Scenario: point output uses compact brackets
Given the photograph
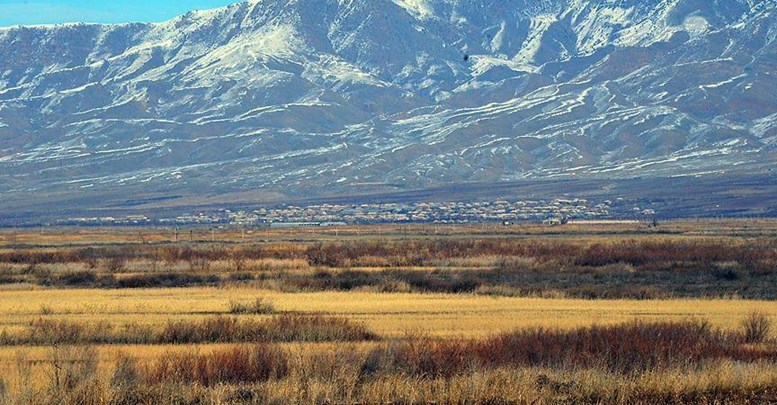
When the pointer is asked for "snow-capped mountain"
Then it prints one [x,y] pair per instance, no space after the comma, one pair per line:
[318,97]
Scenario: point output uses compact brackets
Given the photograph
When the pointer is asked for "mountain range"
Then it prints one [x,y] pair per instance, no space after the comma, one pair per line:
[276,100]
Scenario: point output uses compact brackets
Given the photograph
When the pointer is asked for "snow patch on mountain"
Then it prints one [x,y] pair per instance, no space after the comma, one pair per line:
[537,29]
[696,25]
[419,8]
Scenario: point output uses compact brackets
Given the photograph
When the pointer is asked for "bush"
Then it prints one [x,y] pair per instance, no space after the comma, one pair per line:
[47,331]
[241,276]
[243,364]
[219,329]
[126,374]
[259,306]
[125,382]
[756,327]
[315,328]
[166,280]
[283,328]
[115,264]
[78,278]
[627,348]
[74,367]
[621,348]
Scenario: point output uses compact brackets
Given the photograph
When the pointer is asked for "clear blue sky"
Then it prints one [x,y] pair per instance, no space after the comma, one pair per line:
[15,12]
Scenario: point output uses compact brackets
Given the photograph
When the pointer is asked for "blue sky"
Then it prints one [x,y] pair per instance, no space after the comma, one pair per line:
[15,12]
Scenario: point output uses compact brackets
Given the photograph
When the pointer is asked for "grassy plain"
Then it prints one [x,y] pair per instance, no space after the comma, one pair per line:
[388,314]
[57,237]
[449,306]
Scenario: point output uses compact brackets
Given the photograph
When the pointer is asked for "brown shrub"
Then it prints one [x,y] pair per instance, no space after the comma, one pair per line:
[126,374]
[74,375]
[78,278]
[48,331]
[63,332]
[245,364]
[756,327]
[260,306]
[315,328]
[628,348]
[115,264]
[622,348]
[242,364]
[282,328]
[167,280]
[219,329]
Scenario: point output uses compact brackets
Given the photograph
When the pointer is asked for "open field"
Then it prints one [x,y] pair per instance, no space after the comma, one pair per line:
[447,315]
[52,237]
[621,313]
[734,259]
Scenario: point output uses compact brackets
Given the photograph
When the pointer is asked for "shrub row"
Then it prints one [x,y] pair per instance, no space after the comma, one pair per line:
[611,282]
[236,365]
[600,364]
[751,254]
[91,279]
[281,328]
[628,348]
[619,280]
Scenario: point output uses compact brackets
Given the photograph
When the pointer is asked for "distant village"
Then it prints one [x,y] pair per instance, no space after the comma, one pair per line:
[551,212]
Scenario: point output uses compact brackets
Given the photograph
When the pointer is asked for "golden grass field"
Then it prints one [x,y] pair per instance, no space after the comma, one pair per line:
[389,314]
[393,316]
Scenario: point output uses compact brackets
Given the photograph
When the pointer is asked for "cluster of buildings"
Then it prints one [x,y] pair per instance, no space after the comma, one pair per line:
[504,211]
[106,221]
[454,212]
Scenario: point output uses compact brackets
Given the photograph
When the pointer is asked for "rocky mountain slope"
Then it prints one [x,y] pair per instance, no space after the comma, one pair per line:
[324,97]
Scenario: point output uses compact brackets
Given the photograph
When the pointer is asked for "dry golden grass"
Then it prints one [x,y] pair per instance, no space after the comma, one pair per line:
[386,314]
[313,380]
[320,376]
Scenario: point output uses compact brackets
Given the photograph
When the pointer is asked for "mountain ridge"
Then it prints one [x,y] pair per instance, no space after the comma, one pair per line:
[321,97]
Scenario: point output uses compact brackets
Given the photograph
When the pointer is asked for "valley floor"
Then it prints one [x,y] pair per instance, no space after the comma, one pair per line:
[392,315]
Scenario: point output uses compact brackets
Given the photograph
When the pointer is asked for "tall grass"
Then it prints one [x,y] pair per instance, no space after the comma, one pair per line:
[281,328]
[219,329]
[756,327]
[633,363]
[3,391]
[74,378]
[591,252]
[241,364]
[719,383]
[628,348]
[259,306]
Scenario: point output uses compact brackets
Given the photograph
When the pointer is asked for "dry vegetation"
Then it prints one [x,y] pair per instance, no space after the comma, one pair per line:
[682,362]
[420,315]
[645,267]
[282,328]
